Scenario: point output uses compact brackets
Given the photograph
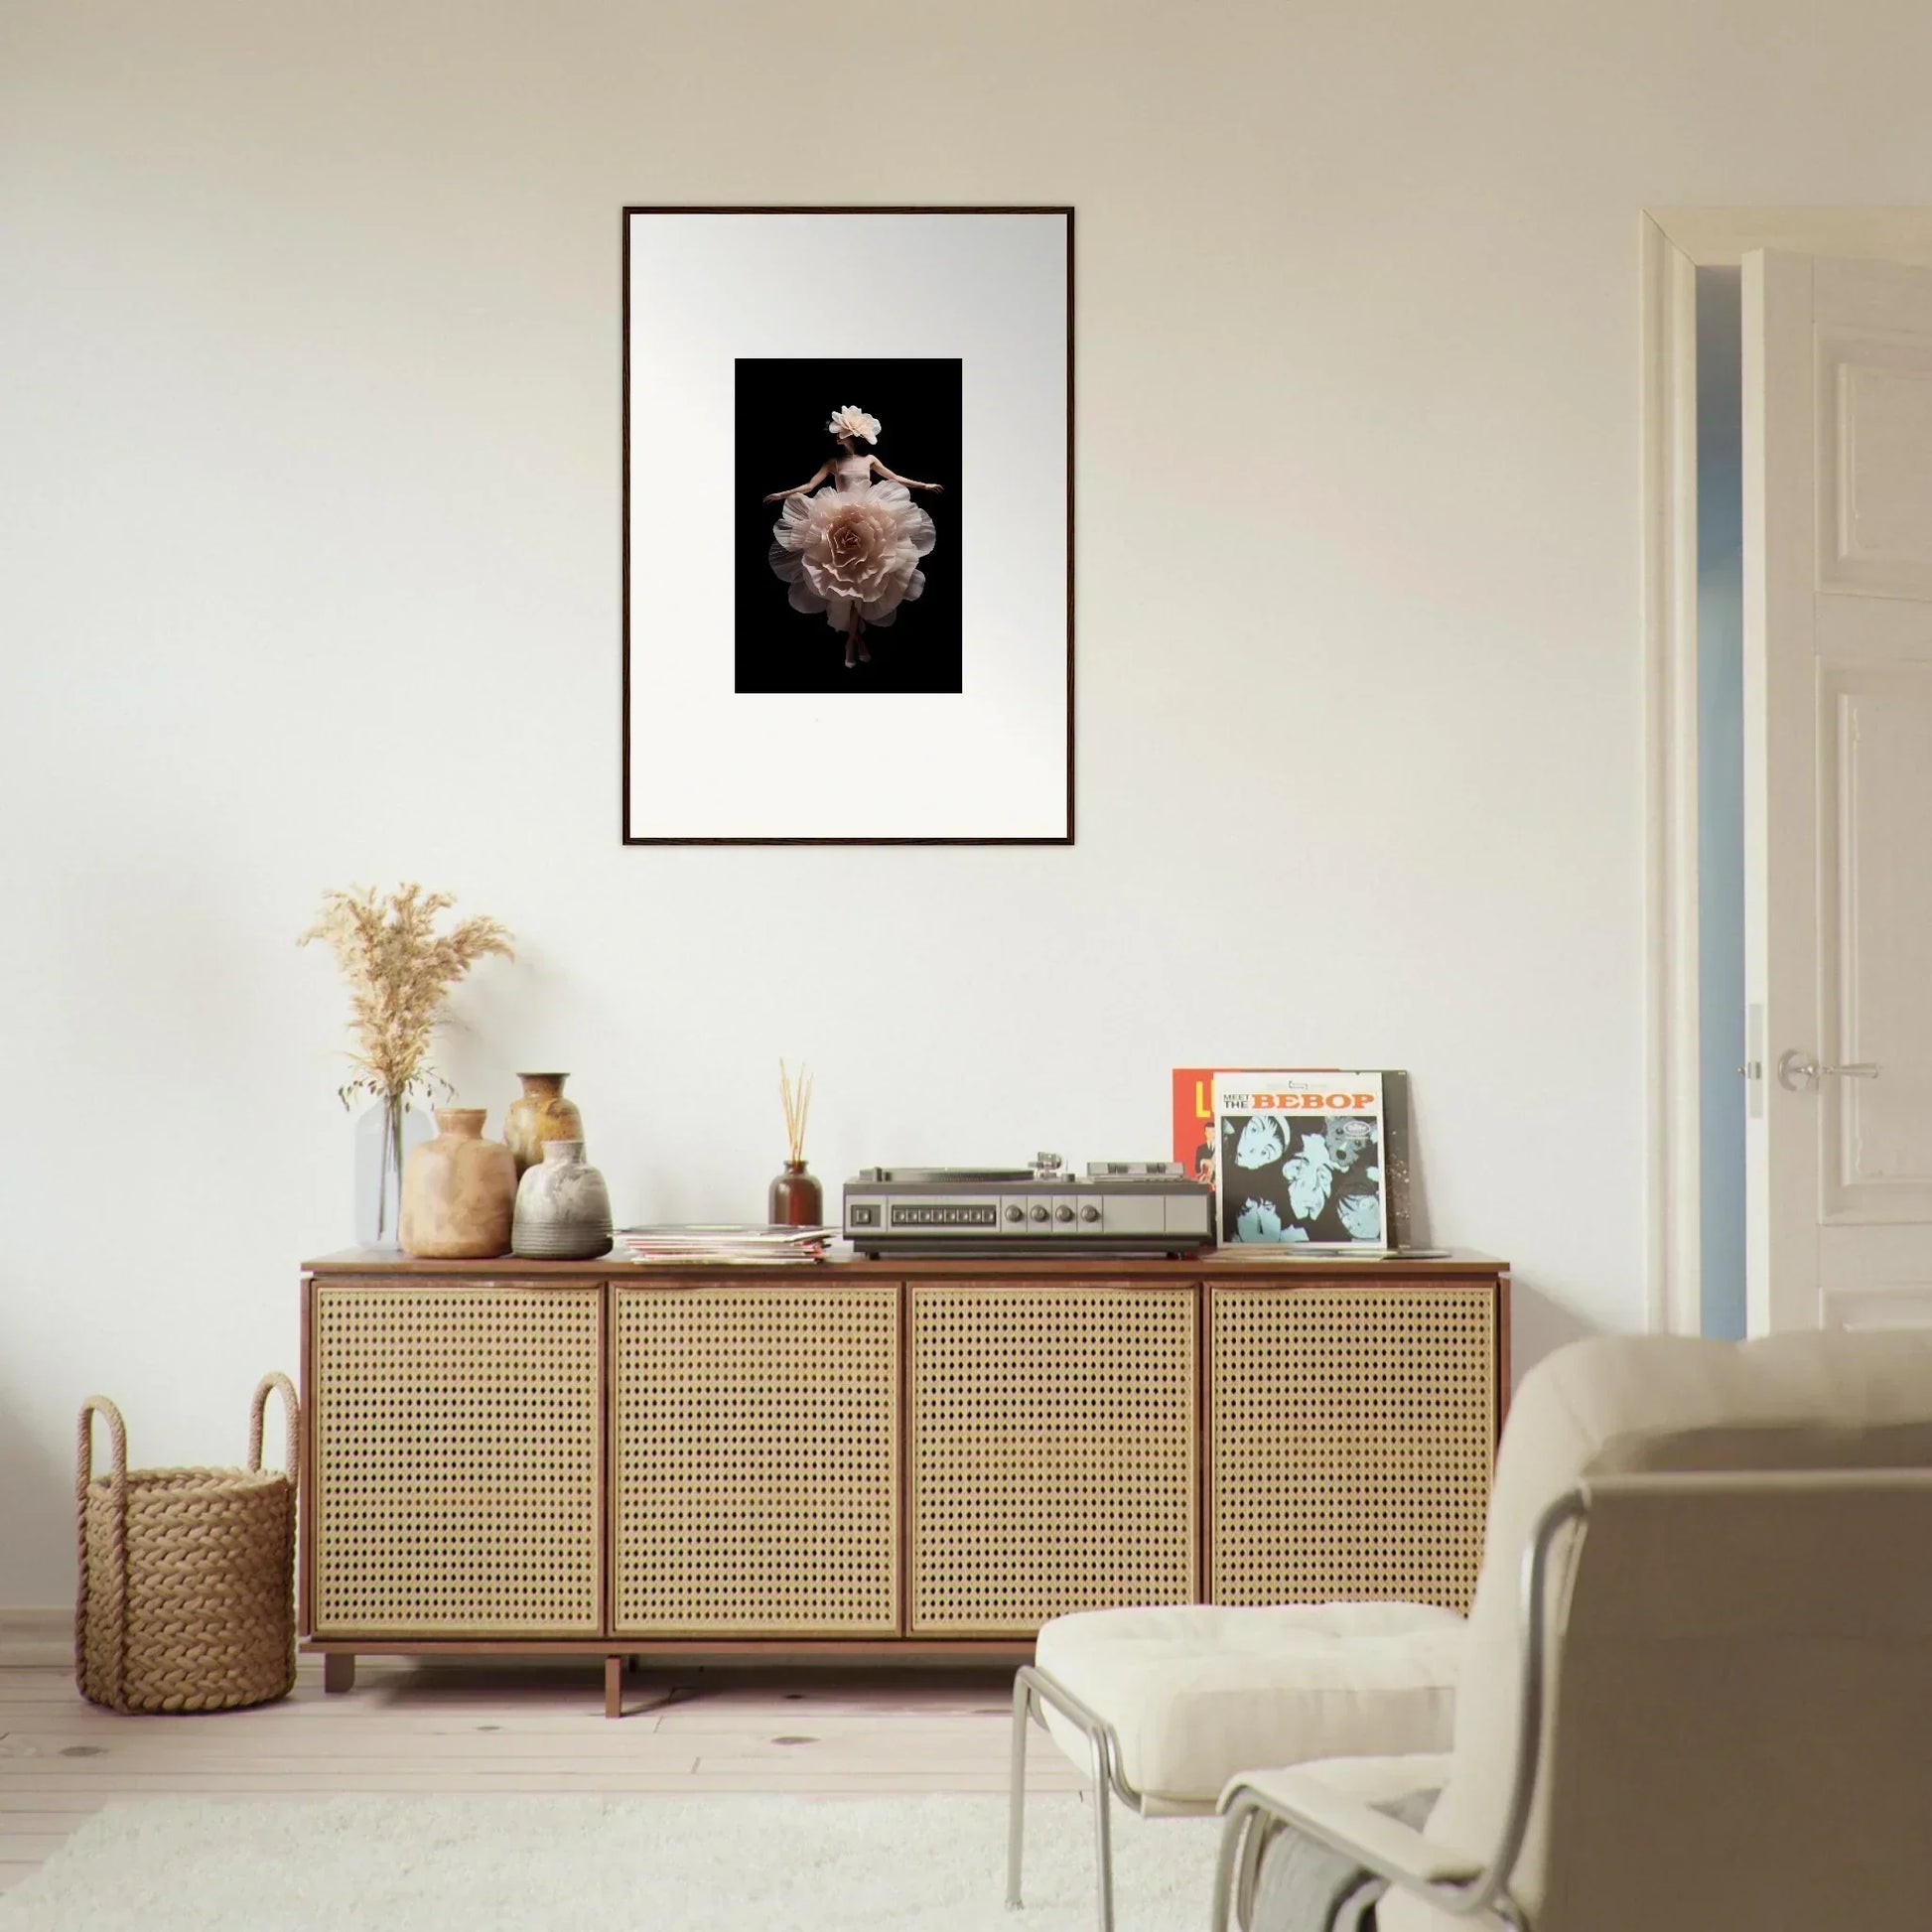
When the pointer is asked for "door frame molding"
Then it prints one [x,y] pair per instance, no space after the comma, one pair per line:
[1676,244]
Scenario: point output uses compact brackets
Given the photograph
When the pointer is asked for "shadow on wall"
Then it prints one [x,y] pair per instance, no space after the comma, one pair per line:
[39,1510]
[1418,1176]
[1538,1326]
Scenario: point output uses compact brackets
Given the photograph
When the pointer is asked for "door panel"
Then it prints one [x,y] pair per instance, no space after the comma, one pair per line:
[458,1460]
[1838,768]
[1054,1452]
[1876,731]
[1874,523]
[754,1460]
[1352,1435]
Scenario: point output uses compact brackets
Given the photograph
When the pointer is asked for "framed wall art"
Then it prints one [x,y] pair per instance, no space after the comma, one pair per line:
[848,525]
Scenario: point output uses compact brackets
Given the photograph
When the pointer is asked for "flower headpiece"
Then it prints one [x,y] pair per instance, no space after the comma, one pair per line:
[853,421]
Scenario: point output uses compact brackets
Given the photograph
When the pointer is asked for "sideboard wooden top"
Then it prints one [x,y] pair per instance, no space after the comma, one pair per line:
[1221,1264]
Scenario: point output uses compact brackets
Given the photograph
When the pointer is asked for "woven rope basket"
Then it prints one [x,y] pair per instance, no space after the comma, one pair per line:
[186,1600]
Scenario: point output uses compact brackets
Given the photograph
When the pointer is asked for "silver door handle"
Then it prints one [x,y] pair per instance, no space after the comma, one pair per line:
[1799,1071]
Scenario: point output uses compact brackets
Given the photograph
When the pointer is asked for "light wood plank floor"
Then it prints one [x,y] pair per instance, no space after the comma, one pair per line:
[508,1727]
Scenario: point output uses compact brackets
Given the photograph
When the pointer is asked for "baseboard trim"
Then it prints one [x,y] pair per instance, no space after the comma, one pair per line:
[37,1637]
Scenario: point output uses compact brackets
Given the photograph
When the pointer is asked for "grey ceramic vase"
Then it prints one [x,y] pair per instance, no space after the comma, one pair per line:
[563,1208]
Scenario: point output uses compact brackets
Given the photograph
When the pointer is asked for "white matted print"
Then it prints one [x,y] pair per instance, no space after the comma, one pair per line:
[848,525]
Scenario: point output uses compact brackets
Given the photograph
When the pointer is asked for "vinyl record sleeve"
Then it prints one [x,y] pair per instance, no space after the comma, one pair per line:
[1200,1147]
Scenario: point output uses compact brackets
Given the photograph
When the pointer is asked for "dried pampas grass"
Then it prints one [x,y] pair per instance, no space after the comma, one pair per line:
[399,970]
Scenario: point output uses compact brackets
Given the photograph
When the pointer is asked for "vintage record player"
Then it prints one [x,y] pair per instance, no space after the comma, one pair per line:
[1117,1207]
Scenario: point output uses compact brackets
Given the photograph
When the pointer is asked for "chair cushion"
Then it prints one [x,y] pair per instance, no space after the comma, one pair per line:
[1196,1693]
[1361,1780]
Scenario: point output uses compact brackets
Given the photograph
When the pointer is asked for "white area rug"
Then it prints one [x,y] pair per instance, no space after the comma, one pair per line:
[608,1864]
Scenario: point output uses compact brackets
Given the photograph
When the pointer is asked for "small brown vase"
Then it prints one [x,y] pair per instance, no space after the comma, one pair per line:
[796,1200]
[541,1114]
[459,1191]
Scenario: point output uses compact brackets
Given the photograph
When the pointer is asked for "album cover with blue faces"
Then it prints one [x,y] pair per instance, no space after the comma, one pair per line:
[1304,1158]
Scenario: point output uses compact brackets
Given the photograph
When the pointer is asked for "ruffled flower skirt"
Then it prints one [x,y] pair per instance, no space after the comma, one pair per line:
[841,550]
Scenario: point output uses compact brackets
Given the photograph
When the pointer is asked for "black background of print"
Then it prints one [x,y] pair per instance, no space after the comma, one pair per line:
[781,408]
[1239,1185]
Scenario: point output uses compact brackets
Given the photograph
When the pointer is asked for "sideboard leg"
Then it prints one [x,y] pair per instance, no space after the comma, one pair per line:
[338,1671]
[614,1687]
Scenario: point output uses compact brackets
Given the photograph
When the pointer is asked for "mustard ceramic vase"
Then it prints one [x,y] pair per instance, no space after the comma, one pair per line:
[541,1114]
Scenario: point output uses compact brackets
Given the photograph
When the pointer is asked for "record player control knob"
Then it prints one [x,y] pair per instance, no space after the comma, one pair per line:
[1063,1213]
[1089,1212]
[1015,1212]
[1039,1213]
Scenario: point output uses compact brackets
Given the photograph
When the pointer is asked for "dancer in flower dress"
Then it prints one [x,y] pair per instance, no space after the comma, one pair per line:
[852,549]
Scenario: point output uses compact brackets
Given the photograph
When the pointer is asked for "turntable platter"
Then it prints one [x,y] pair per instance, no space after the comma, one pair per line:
[938,1176]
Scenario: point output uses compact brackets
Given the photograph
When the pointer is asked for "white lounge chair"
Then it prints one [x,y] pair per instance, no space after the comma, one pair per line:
[1698,1684]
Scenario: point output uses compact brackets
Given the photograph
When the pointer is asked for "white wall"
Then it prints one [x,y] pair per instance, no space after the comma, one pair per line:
[309,574]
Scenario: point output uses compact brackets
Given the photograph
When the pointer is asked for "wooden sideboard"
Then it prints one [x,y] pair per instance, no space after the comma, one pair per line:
[869,1458]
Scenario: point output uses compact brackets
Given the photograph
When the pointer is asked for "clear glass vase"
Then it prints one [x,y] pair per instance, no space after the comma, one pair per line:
[385,1134]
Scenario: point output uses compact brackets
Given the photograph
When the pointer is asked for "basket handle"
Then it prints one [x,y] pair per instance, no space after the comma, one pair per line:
[291,1414]
[99,1405]
[116,1580]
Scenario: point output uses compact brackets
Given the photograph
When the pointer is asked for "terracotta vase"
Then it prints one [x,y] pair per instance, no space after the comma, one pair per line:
[541,1114]
[563,1208]
[796,1199]
[457,1191]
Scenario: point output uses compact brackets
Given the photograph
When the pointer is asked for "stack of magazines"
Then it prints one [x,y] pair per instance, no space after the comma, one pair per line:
[724,1241]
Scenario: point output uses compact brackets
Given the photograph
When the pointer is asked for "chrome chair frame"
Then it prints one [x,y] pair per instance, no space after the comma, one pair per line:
[1031,1689]
[1254,1816]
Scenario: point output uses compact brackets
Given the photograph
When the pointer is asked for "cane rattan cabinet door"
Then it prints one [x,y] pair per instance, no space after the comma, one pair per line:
[755,1459]
[1053,1456]
[458,1449]
[1352,1433]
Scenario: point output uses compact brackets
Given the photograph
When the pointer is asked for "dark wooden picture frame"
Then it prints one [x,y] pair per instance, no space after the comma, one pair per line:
[635,835]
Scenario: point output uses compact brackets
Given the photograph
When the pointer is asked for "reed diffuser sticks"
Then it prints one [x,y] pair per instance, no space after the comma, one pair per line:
[796,1198]
[797,1095]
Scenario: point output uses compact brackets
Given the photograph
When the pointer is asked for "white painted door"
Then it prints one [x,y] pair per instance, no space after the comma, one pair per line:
[1838,790]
